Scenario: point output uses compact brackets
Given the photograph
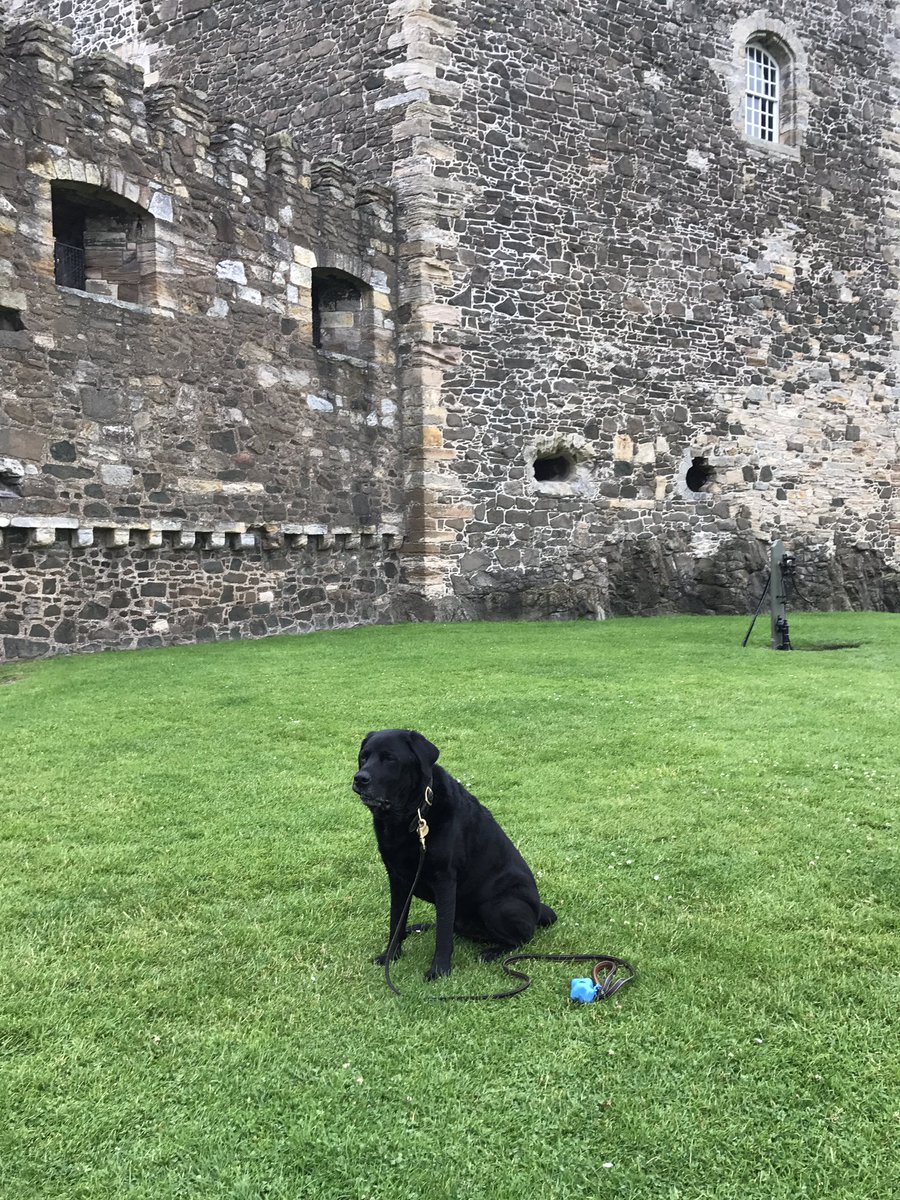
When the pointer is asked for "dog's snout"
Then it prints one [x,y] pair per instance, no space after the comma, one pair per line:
[361,778]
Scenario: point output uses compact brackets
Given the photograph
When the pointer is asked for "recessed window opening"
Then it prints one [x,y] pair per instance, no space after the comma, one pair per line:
[341,313]
[104,244]
[700,475]
[551,468]
[10,485]
[761,115]
[10,320]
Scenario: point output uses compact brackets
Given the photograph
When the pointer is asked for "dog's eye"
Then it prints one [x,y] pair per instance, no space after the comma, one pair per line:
[387,757]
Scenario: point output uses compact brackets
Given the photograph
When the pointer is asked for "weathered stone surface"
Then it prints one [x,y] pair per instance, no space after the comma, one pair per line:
[641,285]
[580,256]
[150,411]
[175,591]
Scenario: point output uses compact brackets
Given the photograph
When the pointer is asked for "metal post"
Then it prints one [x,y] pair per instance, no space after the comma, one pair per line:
[780,634]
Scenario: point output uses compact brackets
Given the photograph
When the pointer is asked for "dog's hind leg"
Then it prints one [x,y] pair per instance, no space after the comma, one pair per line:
[546,916]
[510,924]
[494,952]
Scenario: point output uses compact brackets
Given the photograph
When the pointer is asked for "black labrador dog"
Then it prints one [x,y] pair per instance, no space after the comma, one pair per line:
[477,880]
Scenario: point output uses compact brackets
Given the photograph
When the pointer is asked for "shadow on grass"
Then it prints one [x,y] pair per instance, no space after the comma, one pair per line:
[831,646]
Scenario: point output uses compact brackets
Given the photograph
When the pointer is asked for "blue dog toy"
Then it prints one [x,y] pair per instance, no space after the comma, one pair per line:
[604,982]
[584,990]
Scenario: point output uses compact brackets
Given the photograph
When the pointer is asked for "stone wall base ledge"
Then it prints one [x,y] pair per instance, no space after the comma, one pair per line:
[162,533]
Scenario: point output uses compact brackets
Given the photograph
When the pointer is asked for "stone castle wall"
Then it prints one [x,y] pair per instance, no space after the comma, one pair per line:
[369,81]
[640,286]
[153,588]
[314,70]
[593,264]
[95,25]
[595,260]
[176,400]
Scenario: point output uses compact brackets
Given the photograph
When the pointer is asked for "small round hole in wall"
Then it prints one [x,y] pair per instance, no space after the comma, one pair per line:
[10,320]
[699,474]
[10,480]
[553,468]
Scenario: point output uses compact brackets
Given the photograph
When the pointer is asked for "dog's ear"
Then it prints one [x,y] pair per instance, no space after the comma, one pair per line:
[426,754]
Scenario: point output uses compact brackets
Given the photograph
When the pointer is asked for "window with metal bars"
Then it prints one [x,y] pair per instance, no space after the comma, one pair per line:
[761,118]
[104,243]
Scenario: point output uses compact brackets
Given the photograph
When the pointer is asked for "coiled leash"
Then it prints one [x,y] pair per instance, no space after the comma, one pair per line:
[608,975]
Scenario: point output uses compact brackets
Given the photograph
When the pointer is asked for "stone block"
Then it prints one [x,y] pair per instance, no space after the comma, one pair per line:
[22,443]
[304,257]
[150,539]
[117,475]
[232,270]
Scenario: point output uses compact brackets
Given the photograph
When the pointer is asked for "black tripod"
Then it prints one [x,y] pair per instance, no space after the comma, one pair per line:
[765,593]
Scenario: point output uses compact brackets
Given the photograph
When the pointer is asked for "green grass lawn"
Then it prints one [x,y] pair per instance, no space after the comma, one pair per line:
[191,899]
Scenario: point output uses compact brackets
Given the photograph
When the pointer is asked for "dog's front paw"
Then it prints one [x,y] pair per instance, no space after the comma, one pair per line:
[436,970]
[381,959]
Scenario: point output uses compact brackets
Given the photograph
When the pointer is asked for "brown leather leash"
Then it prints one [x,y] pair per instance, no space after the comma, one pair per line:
[605,973]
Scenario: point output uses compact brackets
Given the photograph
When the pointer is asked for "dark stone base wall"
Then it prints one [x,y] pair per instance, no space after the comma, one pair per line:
[660,575]
[664,573]
[60,599]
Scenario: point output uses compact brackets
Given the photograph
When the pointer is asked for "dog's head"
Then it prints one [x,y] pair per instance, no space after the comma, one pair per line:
[395,767]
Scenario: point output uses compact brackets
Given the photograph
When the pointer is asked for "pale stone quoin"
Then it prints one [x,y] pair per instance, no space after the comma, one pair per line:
[381,310]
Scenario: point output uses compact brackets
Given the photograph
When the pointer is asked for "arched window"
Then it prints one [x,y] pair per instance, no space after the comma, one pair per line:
[762,118]
[768,85]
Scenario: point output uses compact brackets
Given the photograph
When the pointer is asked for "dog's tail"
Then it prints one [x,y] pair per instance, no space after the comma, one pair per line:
[547,915]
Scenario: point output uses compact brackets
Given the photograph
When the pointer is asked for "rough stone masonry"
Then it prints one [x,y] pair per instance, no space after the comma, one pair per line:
[543,330]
